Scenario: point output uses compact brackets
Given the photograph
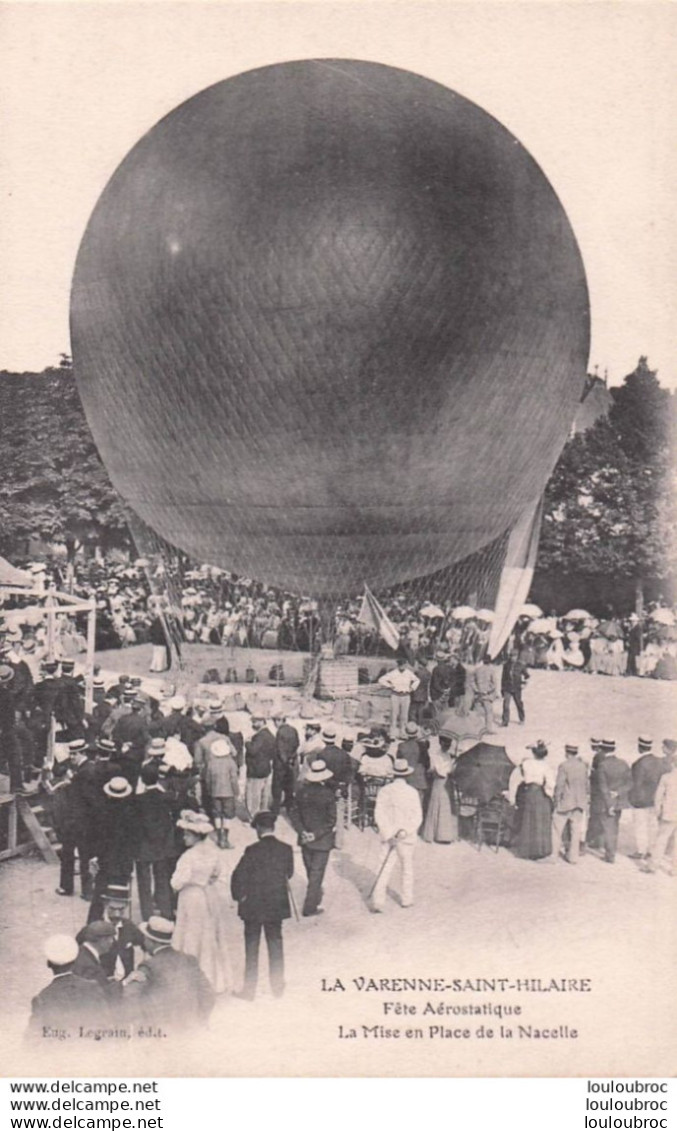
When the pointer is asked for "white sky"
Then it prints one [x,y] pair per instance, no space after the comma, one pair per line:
[588,87]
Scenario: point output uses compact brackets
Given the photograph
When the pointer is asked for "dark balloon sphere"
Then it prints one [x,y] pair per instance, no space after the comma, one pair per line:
[330,326]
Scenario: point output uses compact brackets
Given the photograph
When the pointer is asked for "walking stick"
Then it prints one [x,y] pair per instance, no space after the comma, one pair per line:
[381,871]
[293,902]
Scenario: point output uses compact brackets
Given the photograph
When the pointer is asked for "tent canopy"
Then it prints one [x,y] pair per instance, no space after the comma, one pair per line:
[10,575]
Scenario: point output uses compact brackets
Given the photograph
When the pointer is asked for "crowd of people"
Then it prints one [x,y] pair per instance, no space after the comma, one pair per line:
[211,606]
[146,791]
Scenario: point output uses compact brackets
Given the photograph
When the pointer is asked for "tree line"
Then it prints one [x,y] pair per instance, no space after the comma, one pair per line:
[610,505]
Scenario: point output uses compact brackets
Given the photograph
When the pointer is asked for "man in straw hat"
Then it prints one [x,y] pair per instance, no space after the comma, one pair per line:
[69,1000]
[647,771]
[168,989]
[115,839]
[260,886]
[398,817]
[315,822]
[155,846]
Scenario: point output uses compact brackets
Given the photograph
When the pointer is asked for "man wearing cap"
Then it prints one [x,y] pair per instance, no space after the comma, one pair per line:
[168,989]
[285,765]
[612,796]
[398,816]
[259,753]
[260,887]
[69,1000]
[69,816]
[97,940]
[400,682]
[570,804]
[69,708]
[665,805]
[315,820]
[420,694]
[155,843]
[647,771]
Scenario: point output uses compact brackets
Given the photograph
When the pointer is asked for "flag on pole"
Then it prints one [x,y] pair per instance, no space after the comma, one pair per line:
[374,615]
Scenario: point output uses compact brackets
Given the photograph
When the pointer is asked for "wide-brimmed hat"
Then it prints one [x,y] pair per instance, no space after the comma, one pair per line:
[106,746]
[608,745]
[329,732]
[220,748]
[6,673]
[318,771]
[570,749]
[157,747]
[401,768]
[193,822]
[117,788]
[157,929]
[411,728]
[372,742]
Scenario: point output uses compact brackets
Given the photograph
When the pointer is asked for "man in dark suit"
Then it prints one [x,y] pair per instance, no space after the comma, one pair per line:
[168,989]
[130,735]
[97,940]
[69,1000]
[118,961]
[315,822]
[513,678]
[259,754]
[647,771]
[155,850]
[614,783]
[259,884]
[115,841]
[285,764]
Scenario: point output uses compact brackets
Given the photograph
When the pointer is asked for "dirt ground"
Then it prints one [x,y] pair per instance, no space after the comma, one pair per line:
[477,914]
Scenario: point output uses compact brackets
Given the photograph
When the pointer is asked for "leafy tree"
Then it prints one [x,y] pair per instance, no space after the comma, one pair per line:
[610,503]
[52,482]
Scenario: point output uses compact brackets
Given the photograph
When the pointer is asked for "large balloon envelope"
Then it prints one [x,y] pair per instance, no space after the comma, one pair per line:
[330,326]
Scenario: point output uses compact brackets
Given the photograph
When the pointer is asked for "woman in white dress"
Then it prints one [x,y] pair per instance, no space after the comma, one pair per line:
[202,882]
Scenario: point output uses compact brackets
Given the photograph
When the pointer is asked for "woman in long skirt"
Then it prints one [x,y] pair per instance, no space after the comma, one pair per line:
[531,789]
[440,825]
[202,913]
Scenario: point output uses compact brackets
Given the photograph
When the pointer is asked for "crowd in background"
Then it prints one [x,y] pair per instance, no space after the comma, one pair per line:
[136,604]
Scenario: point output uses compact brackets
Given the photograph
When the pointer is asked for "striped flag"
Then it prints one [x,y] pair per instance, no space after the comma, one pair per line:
[374,615]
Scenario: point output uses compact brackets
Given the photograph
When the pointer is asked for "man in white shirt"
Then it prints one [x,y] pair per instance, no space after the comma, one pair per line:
[401,681]
[398,816]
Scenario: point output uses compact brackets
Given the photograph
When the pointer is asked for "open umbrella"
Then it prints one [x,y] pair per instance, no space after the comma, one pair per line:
[531,611]
[462,728]
[483,771]
[543,624]
[428,610]
[577,614]
[462,612]
[663,616]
